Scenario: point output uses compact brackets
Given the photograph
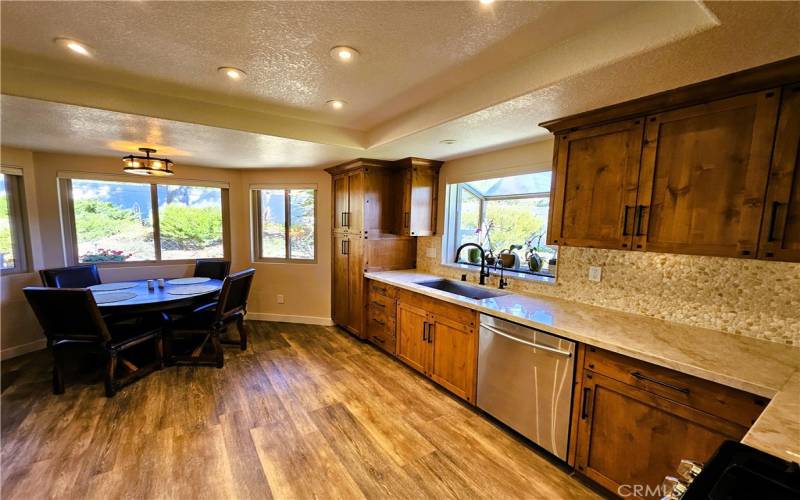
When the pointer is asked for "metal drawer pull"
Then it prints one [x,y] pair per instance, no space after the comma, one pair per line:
[376,320]
[430,334]
[376,303]
[529,344]
[375,337]
[640,376]
[585,403]
[425,331]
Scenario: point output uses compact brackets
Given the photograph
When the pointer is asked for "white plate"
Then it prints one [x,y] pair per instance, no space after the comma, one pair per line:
[108,287]
[105,298]
[188,281]
[192,289]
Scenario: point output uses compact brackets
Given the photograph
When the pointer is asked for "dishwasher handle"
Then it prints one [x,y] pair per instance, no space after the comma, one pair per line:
[529,344]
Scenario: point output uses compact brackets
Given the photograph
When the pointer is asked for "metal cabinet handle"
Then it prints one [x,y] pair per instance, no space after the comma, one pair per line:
[772,220]
[376,320]
[431,331]
[375,337]
[638,223]
[378,304]
[625,220]
[342,220]
[406,219]
[585,403]
[425,331]
[345,247]
[641,376]
[529,344]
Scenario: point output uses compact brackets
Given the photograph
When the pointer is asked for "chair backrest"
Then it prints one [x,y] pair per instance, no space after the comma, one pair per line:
[71,277]
[233,296]
[212,268]
[67,313]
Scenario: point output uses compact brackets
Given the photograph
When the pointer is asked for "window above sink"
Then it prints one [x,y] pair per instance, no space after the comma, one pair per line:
[504,215]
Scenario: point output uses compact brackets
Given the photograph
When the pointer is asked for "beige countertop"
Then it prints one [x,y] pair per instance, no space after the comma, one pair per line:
[760,367]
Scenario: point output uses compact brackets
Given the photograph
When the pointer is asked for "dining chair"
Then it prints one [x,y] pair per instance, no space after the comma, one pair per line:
[71,319]
[70,277]
[212,268]
[212,320]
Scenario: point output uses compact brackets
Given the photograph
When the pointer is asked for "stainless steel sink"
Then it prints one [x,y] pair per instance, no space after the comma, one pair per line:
[459,288]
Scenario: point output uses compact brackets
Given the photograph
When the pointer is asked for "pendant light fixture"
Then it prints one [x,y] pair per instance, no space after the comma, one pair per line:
[147,165]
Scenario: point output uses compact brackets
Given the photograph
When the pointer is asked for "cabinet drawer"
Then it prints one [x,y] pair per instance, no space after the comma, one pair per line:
[382,303]
[381,330]
[462,315]
[725,402]
[378,288]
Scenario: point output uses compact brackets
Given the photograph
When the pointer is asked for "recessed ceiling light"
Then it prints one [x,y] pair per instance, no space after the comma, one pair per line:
[343,53]
[336,104]
[74,45]
[447,141]
[487,2]
[232,73]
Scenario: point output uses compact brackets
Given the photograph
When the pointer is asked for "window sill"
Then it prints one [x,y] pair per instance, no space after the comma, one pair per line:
[548,280]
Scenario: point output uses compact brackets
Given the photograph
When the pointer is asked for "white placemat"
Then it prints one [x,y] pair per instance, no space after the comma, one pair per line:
[188,281]
[107,287]
[105,298]
[192,289]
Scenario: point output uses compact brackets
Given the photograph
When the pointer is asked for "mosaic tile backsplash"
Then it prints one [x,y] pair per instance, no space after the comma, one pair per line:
[747,297]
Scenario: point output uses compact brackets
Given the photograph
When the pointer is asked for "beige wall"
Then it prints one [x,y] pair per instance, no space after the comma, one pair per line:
[748,297]
[306,287]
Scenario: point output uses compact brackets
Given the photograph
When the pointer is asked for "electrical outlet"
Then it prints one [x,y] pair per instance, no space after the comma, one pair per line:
[595,273]
[280,298]
[430,252]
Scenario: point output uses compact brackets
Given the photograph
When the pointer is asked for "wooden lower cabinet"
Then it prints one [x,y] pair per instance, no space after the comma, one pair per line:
[636,421]
[440,344]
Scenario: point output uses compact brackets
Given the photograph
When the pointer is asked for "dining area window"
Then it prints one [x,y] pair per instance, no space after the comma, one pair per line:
[13,234]
[284,224]
[117,221]
[504,216]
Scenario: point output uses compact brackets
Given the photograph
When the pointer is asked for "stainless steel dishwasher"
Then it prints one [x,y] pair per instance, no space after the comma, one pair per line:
[525,379]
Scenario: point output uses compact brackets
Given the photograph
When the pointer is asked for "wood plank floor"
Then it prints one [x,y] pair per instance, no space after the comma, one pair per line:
[306,412]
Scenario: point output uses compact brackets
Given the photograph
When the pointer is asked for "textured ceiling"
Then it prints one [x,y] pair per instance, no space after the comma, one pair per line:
[409,50]
[607,55]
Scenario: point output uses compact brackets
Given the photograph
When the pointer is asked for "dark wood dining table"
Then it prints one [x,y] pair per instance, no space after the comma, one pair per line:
[157,299]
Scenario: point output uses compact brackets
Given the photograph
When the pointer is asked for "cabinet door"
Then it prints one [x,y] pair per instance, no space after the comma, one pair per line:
[596,176]
[355,285]
[341,301]
[355,214]
[628,436]
[704,176]
[412,335]
[341,202]
[780,230]
[421,205]
[453,359]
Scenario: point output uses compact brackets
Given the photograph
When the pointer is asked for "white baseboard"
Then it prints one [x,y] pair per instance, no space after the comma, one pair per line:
[291,318]
[19,350]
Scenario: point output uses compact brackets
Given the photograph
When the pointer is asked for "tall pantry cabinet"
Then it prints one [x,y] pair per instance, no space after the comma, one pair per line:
[379,207]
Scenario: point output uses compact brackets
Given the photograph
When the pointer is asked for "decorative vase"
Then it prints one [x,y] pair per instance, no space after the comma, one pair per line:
[534,263]
[474,256]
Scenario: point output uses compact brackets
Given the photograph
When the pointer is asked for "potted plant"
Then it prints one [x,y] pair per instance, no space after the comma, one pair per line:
[485,241]
[534,246]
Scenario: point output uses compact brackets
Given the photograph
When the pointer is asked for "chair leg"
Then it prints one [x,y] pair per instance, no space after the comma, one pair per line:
[111,368]
[166,345]
[58,371]
[242,333]
[159,341]
[218,353]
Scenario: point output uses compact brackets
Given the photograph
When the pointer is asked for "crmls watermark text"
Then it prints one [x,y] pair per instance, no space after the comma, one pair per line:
[642,490]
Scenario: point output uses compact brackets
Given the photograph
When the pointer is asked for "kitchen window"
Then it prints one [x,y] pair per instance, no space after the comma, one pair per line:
[507,217]
[13,233]
[284,224]
[120,221]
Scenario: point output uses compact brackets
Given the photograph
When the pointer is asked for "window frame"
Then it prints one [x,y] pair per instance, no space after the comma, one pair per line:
[18,221]
[69,231]
[452,228]
[257,224]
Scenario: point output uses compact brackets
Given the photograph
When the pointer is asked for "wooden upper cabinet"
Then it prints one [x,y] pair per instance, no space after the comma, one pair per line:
[341,201]
[596,175]
[704,175]
[355,212]
[780,229]
[420,181]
